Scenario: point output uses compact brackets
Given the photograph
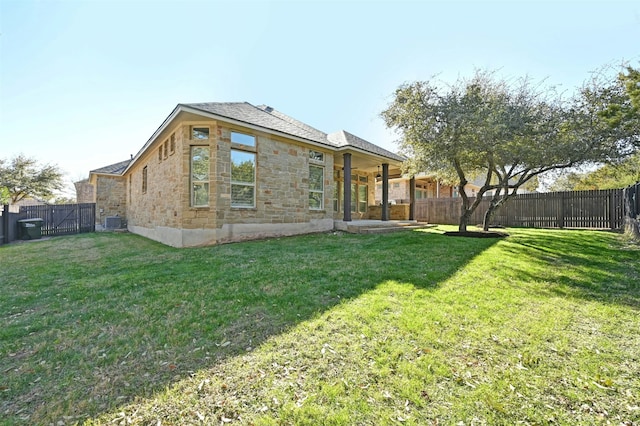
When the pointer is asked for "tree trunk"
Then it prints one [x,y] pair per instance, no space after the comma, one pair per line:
[464,221]
[464,214]
[495,203]
[488,215]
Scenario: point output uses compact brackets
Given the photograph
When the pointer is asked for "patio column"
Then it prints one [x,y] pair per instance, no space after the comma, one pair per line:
[412,198]
[347,187]
[385,192]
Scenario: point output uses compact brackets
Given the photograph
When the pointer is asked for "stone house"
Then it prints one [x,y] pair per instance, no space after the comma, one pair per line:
[427,186]
[221,172]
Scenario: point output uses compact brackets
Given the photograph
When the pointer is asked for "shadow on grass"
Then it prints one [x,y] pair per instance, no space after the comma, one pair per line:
[93,322]
[592,265]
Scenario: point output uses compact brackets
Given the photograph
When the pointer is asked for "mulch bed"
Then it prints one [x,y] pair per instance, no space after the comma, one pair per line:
[477,234]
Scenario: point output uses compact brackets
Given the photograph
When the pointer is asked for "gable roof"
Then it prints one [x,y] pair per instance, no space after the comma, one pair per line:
[267,119]
[344,139]
[262,116]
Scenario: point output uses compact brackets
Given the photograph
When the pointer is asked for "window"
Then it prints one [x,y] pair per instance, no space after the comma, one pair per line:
[362,198]
[316,187]
[316,156]
[243,179]
[166,148]
[243,139]
[199,176]
[172,143]
[359,192]
[144,180]
[160,153]
[199,133]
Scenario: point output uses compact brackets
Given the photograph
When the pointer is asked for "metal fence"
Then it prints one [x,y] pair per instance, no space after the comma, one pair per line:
[58,219]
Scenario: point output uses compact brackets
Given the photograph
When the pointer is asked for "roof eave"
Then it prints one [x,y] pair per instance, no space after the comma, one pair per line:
[153,137]
[364,151]
[184,108]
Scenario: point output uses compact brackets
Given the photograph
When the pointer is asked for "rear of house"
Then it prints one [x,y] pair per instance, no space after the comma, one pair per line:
[222,172]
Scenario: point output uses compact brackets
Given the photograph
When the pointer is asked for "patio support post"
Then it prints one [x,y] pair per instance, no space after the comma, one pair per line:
[412,197]
[385,192]
[347,187]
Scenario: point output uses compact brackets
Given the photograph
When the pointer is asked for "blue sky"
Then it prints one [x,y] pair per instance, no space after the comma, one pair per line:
[84,84]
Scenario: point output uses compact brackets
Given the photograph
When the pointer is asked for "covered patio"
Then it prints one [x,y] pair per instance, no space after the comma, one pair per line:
[358,168]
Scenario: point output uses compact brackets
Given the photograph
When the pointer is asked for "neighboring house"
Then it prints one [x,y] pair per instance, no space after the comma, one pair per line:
[220,172]
[107,188]
[29,201]
[427,186]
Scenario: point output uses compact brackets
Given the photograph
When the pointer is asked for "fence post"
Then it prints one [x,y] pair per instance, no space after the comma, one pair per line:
[561,211]
[5,224]
[636,189]
[612,219]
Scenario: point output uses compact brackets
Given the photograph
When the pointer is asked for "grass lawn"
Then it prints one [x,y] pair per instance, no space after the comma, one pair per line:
[542,327]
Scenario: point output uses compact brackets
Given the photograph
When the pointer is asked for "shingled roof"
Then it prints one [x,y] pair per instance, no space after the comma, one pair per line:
[264,117]
[113,169]
[269,118]
[344,138]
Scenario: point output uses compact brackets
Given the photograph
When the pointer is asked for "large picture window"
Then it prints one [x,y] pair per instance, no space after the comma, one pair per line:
[316,187]
[243,179]
[199,176]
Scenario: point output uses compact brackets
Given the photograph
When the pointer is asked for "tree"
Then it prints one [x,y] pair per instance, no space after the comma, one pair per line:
[23,177]
[609,176]
[619,100]
[4,195]
[507,132]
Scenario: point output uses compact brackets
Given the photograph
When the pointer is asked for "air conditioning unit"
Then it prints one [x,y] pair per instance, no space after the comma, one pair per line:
[113,222]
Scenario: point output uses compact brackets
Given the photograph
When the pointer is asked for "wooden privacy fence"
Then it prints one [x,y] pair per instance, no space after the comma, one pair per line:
[58,219]
[602,209]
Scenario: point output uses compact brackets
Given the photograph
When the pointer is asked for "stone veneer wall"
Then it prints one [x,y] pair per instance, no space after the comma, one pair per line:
[282,183]
[161,205]
[164,213]
[396,212]
[84,192]
[110,197]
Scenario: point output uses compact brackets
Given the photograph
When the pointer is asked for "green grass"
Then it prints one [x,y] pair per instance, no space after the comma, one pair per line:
[412,328]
